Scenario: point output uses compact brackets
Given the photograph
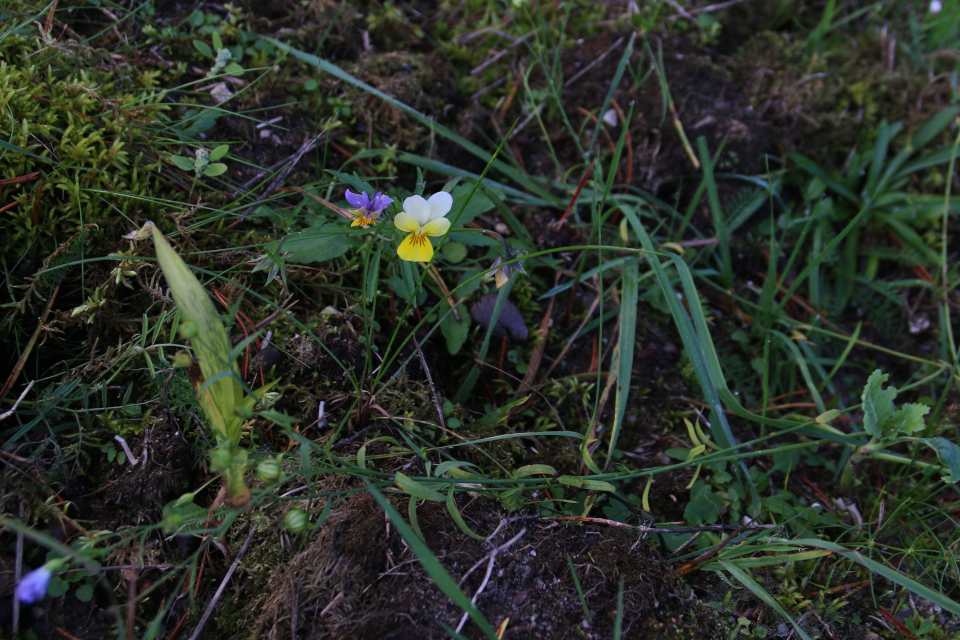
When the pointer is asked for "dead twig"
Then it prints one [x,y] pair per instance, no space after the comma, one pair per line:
[223,584]
[491,558]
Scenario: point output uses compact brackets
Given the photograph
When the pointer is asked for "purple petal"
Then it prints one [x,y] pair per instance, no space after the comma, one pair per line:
[360,201]
[33,586]
[380,202]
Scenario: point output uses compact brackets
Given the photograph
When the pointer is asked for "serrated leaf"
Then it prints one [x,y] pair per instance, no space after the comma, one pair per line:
[949,455]
[877,403]
[909,419]
[219,152]
[418,490]
[215,169]
[186,164]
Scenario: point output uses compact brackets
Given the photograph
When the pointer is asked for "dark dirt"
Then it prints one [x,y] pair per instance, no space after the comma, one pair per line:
[358,579]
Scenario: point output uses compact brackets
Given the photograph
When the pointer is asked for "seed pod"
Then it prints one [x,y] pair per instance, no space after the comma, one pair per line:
[269,470]
[296,521]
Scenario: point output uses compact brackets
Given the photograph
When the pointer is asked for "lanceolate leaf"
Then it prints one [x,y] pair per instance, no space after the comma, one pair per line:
[210,342]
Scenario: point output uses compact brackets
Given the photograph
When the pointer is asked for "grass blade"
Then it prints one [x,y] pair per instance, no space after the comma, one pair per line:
[431,565]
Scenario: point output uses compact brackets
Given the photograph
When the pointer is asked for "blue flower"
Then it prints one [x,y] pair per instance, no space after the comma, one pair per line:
[33,586]
[367,209]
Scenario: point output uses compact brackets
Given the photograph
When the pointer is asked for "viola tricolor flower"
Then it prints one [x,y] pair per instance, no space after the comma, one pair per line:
[421,218]
[503,273]
[367,209]
[33,586]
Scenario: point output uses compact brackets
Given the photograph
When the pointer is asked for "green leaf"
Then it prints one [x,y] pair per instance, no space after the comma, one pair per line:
[454,252]
[585,483]
[203,48]
[418,490]
[934,126]
[623,353]
[85,593]
[456,331]
[457,518]
[215,169]
[233,69]
[909,419]
[497,416]
[949,455]
[704,505]
[219,152]
[215,378]
[57,587]
[186,164]
[533,470]
[319,244]
[877,404]
[217,42]
[476,205]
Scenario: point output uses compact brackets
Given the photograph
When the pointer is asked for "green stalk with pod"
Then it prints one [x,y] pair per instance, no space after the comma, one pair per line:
[213,369]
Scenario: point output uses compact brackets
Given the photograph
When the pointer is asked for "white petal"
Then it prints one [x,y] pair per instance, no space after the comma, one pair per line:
[440,204]
[418,208]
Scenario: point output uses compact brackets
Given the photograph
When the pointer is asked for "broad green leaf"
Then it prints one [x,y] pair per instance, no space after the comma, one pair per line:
[877,403]
[203,48]
[704,505]
[949,455]
[454,252]
[456,331]
[319,244]
[909,419]
[476,205]
[219,152]
[186,164]
[215,375]
[215,169]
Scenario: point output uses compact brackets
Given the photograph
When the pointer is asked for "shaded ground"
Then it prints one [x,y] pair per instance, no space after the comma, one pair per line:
[358,579]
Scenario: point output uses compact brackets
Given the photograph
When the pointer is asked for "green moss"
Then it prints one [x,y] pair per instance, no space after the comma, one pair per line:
[79,134]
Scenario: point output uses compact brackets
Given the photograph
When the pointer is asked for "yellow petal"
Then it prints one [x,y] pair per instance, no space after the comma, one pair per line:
[406,222]
[361,220]
[436,227]
[415,248]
